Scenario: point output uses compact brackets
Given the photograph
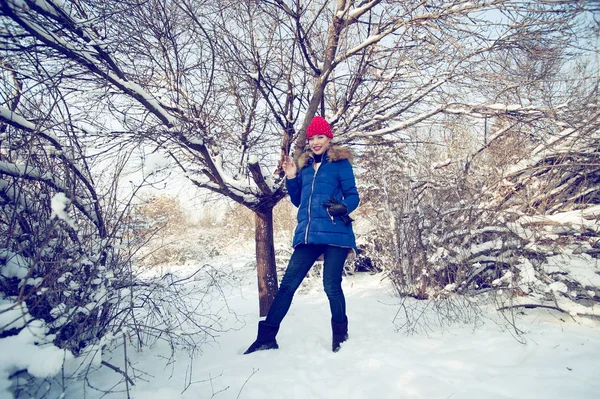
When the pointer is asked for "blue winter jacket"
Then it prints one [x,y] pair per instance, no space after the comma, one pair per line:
[309,189]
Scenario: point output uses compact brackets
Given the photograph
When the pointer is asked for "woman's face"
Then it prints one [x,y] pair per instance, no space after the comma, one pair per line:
[319,143]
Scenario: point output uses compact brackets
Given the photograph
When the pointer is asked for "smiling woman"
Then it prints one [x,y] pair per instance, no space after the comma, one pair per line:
[319,135]
[323,188]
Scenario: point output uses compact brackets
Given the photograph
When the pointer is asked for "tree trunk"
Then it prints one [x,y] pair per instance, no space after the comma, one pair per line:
[265,260]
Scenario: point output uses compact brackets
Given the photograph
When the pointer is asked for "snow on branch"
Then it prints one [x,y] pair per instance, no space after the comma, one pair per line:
[390,111]
[219,181]
[35,174]
[368,42]
[258,176]
[394,128]
[565,138]
[91,57]
[473,110]
[15,119]
[359,11]
[59,204]
[487,110]
[20,122]
[399,23]
[560,303]
[11,194]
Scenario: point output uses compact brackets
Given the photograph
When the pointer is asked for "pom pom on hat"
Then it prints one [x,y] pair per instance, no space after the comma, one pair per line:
[318,126]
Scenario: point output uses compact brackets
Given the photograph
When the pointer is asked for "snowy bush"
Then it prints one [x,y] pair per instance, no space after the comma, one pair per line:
[169,240]
[69,291]
[520,217]
[162,213]
[59,260]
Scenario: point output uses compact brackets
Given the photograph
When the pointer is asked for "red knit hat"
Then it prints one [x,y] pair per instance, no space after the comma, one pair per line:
[318,126]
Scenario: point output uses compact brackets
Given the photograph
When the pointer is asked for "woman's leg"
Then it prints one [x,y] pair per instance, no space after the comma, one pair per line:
[332,281]
[300,263]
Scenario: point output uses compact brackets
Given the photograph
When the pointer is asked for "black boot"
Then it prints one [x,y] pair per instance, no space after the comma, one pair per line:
[340,334]
[265,339]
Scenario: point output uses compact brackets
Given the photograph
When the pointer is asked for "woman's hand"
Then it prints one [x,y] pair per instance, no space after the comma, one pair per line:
[336,208]
[289,167]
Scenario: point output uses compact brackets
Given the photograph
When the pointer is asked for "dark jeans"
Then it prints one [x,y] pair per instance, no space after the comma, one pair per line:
[302,259]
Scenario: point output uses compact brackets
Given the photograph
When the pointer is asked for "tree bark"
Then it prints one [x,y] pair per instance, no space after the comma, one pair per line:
[265,260]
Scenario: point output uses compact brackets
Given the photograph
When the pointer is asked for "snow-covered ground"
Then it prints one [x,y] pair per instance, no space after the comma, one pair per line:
[559,359]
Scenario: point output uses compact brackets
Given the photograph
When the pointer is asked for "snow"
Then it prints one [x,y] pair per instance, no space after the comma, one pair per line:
[367,42]
[398,127]
[15,265]
[558,286]
[47,7]
[461,6]
[358,11]
[253,159]
[196,140]
[27,350]
[154,162]
[19,170]
[459,361]
[10,315]
[9,115]
[580,267]
[89,54]
[506,277]
[59,203]
[152,102]
[438,165]
[19,3]
[527,278]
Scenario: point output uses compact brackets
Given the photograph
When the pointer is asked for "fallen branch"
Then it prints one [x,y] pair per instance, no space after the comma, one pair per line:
[118,370]
[531,306]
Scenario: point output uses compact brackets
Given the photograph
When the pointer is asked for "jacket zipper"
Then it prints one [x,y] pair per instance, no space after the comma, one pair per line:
[331,216]
[327,209]
[312,190]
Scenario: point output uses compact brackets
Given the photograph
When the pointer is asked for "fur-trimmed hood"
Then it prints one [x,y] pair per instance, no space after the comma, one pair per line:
[333,154]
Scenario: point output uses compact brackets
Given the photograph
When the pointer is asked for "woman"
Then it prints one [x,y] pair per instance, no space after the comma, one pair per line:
[323,188]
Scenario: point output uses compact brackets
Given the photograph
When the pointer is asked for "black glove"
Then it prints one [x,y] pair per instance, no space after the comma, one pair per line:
[336,208]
